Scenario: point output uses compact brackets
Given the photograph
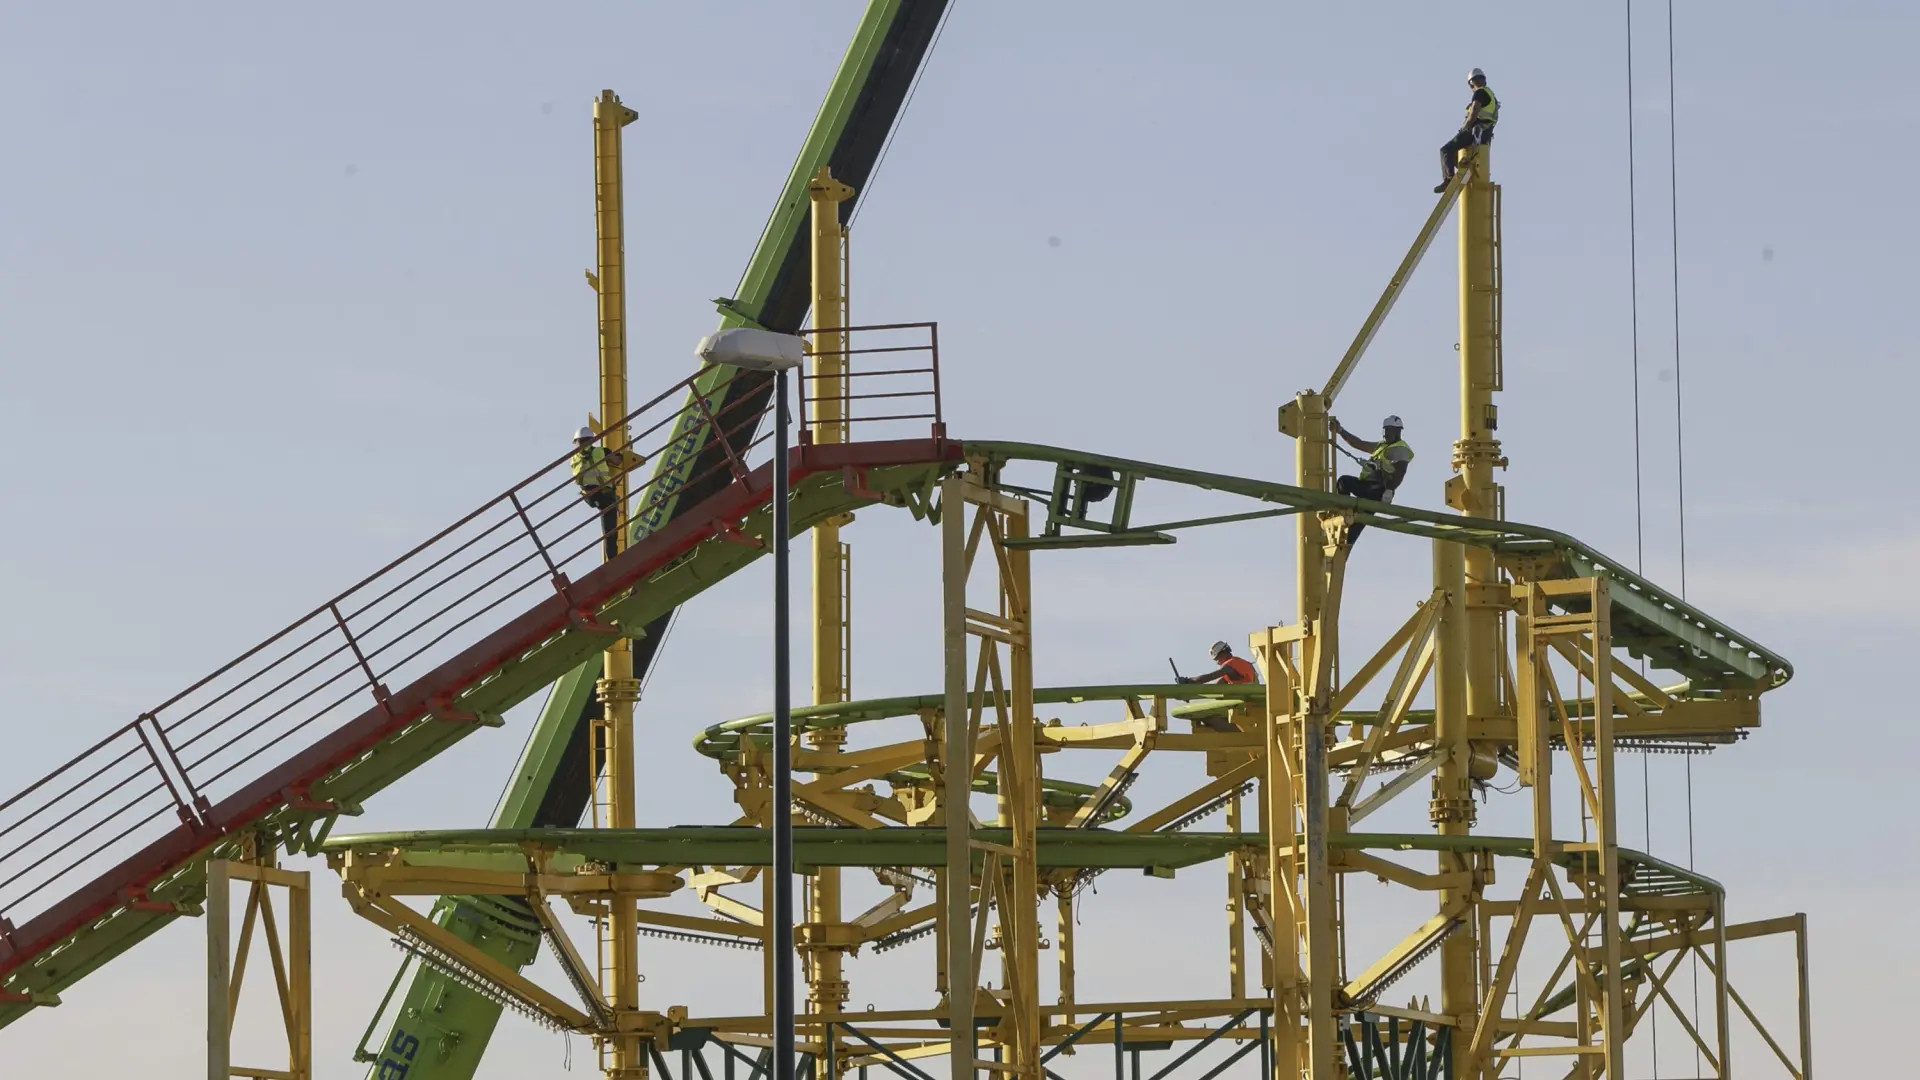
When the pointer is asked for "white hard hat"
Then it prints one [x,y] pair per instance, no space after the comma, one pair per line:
[1392,421]
[1221,647]
[584,434]
[1476,73]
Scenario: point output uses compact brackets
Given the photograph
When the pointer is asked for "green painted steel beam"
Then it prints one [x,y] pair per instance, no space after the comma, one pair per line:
[1133,538]
[1663,617]
[1054,793]
[1059,848]
[842,713]
[504,850]
[1706,650]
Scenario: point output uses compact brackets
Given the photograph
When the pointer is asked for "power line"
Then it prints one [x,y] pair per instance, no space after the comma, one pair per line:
[1679,419]
[1639,499]
[1633,302]
[1673,203]
[913,88]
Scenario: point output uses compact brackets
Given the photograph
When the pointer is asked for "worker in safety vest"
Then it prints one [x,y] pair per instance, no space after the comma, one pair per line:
[1232,670]
[594,470]
[1382,472]
[1483,112]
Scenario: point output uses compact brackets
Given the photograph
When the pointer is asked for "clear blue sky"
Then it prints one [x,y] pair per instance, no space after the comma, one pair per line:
[284,289]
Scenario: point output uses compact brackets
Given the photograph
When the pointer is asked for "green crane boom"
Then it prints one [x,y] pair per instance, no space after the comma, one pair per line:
[441,1026]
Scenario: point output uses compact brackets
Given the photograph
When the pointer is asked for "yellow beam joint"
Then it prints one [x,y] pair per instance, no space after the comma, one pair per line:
[1195,799]
[445,880]
[1786,924]
[696,923]
[1388,870]
[1417,625]
[1410,946]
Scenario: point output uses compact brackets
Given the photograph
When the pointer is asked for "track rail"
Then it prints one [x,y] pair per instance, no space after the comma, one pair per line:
[1648,620]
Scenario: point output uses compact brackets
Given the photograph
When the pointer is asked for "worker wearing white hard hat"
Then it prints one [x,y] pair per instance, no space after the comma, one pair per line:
[1483,112]
[594,470]
[1230,670]
[1382,471]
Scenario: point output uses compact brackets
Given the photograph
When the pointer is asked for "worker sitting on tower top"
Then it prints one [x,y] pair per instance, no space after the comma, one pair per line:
[1483,112]
[1232,669]
[1382,471]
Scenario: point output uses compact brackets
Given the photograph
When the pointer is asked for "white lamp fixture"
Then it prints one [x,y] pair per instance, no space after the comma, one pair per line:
[753,350]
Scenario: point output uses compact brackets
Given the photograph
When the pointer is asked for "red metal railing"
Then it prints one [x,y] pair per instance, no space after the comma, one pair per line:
[895,381]
[168,766]
[314,698]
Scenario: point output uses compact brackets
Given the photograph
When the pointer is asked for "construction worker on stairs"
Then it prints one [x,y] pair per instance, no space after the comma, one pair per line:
[1232,670]
[593,470]
[1383,470]
[1483,112]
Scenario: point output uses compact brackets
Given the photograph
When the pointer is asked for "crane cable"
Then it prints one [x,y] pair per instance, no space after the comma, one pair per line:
[1680,430]
[1639,497]
[939,31]
[1679,421]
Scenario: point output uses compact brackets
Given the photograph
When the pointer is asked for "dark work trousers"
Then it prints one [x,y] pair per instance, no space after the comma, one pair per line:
[1465,139]
[607,501]
[1359,488]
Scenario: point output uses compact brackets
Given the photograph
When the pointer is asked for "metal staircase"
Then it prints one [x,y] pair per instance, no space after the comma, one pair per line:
[302,728]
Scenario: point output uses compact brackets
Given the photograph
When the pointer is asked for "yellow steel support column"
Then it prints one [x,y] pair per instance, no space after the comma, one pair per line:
[1279,816]
[1614,1020]
[1064,942]
[1236,908]
[291,955]
[1480,606]
[1313,732]
[824,937]
[957,765]
[1313,470]
[1722,1019]
[625,1052]
[1803,997]
[1019,783]
[1305,874]
[219,972]
[1451,808]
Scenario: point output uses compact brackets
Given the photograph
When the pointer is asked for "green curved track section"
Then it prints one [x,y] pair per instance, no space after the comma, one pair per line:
[921,847]
[723,739]
[1648,621]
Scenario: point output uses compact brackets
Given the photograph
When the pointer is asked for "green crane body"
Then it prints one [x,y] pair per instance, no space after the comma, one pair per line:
[441,1029]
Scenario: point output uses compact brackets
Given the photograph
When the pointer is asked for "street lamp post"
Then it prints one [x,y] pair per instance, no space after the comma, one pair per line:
[763,350]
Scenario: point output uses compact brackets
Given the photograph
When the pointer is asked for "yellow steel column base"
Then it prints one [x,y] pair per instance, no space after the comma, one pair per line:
[619,1072]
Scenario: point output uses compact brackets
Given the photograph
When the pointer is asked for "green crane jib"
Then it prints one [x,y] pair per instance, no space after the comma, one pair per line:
[441,1029]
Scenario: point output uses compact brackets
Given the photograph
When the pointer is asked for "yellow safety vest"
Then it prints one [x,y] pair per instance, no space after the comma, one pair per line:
[590,468]
[1378,463]
[1484,114]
